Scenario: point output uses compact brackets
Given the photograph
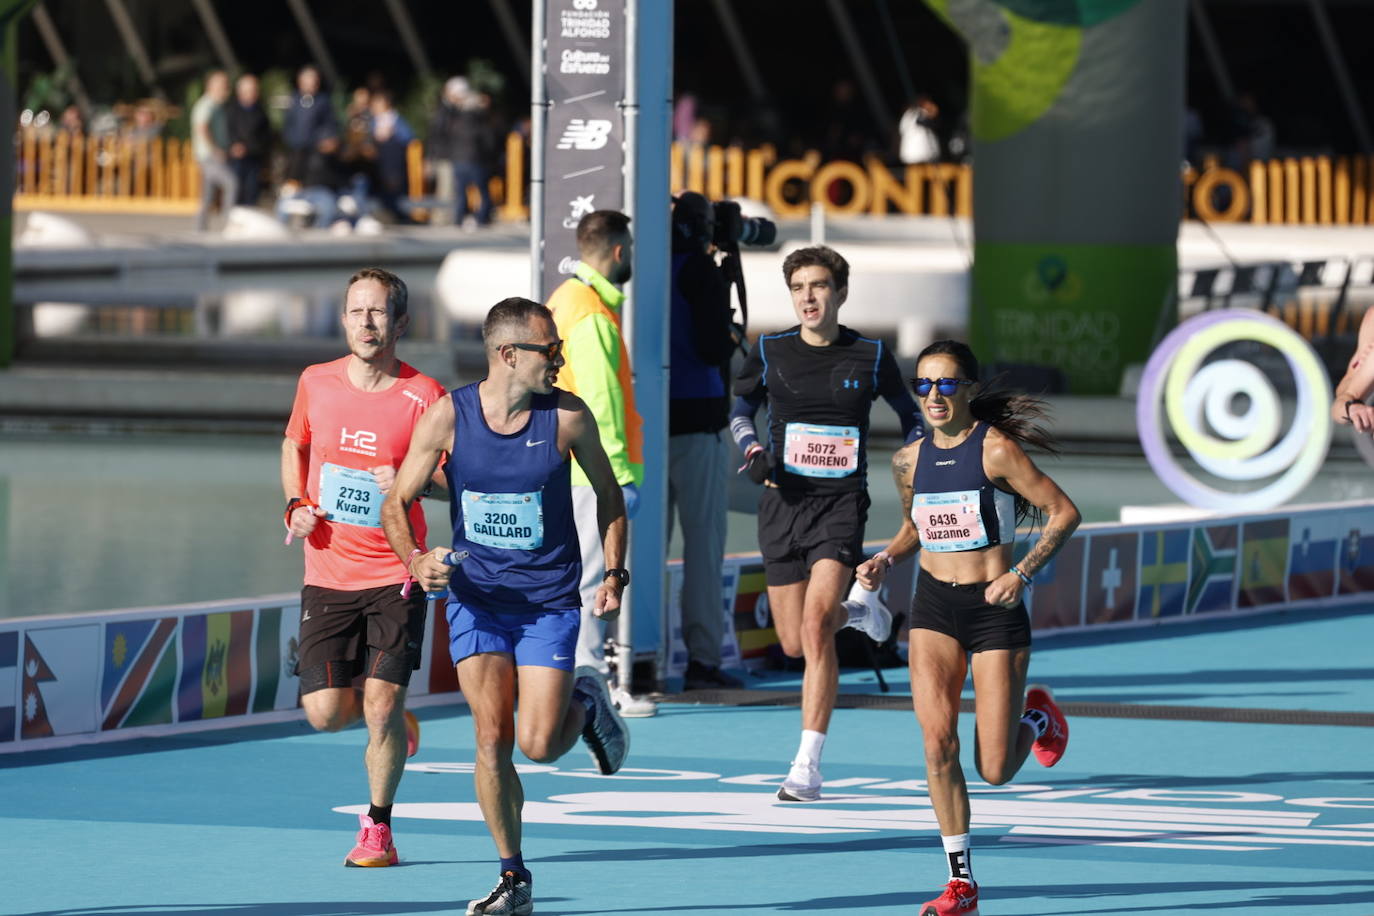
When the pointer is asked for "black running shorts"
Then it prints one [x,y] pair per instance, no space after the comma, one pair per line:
[960,611]
[356,627]
[796,529]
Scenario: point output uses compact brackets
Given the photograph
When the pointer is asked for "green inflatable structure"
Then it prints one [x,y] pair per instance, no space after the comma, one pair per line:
[1076,118]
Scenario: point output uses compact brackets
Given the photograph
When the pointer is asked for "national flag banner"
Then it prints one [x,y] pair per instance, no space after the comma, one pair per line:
[9,684]
[139,672]
[1355,553]
[730,656]
[677,644]
[1263,563]
[59,683]
[1316,541]
[753,624]
[216,665]
[266,658]
[1110,592]
[1212,568]
[1057,598]
[1163,572]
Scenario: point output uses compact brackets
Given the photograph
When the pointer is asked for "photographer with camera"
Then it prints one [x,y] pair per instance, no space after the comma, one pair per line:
[702,341]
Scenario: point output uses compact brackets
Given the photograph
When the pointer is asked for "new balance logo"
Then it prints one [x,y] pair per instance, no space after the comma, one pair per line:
[585,134]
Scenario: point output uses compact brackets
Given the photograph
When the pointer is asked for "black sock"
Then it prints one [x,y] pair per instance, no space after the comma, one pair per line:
[516,863]
[380,814]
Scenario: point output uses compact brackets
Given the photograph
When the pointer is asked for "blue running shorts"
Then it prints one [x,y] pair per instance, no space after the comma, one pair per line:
[547,639]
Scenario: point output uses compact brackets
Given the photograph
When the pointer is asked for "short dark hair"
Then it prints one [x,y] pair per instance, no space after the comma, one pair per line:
[508,316]
[397,297]
[817,256]
[598,230]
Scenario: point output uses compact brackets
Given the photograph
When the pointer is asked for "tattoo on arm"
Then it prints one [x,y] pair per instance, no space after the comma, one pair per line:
[1045,549]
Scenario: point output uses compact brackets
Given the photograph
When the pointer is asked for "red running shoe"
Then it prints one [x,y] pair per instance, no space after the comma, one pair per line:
[959,899]
[412,734]
[373,848]
[1049,747]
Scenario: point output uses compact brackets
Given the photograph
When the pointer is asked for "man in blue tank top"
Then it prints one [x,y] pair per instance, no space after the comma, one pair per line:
[512,592]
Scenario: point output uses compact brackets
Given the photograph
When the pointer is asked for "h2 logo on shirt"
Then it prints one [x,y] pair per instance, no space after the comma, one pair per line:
[361,442]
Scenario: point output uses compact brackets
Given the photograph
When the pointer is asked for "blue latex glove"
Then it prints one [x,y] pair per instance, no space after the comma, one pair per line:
[631,494]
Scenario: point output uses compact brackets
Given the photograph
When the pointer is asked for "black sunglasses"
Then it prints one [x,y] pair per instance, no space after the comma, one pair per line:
[946,386]
[550,352]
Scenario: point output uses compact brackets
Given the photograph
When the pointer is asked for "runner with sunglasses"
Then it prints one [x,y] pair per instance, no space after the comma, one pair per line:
[513,603]
[819,380]
[963,488]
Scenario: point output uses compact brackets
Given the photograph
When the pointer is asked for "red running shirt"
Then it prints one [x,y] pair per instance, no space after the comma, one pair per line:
[349,431]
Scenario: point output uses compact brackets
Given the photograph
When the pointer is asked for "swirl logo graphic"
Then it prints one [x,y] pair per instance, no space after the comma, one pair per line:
[1200,402]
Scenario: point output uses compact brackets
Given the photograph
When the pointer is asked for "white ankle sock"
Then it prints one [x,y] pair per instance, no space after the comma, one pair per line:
[1037,720]
[957,852]
[812,743]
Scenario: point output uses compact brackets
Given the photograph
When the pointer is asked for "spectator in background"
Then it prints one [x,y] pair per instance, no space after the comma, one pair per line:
[470,142]
[442,127]
[917,140]
[391,135]
[71,121]
[250,138]
[144,126]
[309,121]
[210,145]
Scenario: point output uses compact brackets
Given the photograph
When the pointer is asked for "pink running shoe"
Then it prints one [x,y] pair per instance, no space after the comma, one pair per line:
[374,848]
[412,734]
[1049,747]
[959,899]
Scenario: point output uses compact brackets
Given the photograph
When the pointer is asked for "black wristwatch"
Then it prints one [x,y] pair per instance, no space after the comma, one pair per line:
[1348,403]
[620,575]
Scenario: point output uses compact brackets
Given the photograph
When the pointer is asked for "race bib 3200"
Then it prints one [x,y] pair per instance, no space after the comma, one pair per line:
[508,521]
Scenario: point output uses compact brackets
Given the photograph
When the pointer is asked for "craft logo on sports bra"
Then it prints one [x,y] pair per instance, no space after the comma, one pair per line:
[360,442]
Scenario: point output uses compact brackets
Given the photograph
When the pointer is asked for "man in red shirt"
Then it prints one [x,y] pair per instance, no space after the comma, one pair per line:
[349,429]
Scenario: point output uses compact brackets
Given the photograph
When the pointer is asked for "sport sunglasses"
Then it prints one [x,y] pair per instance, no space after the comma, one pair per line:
[550,352]
[946,386]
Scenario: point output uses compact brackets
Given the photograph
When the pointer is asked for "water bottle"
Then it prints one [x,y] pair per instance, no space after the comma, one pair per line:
[452,558]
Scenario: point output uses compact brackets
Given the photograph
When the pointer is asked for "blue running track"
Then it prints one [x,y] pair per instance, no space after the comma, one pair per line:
[1163,804]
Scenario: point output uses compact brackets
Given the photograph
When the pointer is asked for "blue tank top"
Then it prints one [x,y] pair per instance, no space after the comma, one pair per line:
[954,506]
[512,511]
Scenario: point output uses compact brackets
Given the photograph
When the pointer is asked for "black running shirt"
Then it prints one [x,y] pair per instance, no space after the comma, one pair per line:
[818,405]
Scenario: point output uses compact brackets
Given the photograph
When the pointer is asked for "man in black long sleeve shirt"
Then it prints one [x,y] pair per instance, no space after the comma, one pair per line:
[820,380]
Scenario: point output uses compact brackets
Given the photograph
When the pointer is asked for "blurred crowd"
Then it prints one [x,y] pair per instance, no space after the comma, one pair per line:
[317,160]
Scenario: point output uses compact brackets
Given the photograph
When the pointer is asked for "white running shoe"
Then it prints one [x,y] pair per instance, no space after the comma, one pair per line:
[605,734]
[512,896]
[631,706]
[868,614]
[803,782]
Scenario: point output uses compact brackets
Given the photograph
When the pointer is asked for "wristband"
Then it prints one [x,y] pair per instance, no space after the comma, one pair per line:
[1348,402]
[749,453]
[405,586]
[295,503]
[1025,579]
[886,556]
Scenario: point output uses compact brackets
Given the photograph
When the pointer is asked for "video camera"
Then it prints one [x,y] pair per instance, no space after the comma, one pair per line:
[697,221]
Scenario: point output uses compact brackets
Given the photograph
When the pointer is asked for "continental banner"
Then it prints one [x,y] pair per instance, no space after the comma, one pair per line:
[1074,265]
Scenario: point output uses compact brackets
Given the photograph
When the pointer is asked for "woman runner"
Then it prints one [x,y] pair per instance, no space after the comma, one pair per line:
[963,487]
